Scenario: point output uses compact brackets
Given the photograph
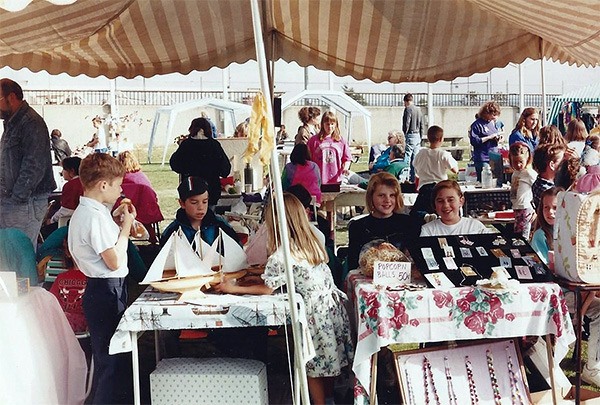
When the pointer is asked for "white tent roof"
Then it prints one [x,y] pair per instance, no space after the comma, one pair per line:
[237,112]
[340,102]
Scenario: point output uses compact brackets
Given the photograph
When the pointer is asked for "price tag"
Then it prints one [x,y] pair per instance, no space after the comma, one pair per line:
[391,273]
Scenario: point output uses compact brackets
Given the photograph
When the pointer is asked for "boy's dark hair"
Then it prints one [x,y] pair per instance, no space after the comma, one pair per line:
[191,186]
[544,154]
[71,163]
[300,154]
[435,134]
[408,97]
[97,167]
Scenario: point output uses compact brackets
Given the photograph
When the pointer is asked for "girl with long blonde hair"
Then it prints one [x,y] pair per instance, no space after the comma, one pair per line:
[327,318]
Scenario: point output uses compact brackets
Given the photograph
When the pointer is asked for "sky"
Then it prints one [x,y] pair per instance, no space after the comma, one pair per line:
[290,77]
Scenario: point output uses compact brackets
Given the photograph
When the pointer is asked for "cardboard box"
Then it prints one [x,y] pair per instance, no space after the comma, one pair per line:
[209,381]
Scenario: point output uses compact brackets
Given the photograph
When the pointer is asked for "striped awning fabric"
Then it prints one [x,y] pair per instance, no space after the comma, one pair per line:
[383,40]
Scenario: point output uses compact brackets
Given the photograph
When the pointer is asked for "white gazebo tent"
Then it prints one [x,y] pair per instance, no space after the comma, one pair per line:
[340,102]
[237,112]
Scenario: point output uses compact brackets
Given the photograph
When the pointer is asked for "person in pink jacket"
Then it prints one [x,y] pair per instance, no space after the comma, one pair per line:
[330,151]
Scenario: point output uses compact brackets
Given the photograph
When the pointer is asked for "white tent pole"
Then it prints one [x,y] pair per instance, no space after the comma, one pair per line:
[430,120]
[544,106]
[278,191]
[521,89]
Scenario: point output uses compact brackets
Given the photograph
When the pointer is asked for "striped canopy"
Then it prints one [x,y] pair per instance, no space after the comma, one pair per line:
[383,40]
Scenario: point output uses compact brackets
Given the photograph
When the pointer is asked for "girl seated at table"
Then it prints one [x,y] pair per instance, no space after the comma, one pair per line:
[448,199]
[542,244]
[327,319]
[385,220]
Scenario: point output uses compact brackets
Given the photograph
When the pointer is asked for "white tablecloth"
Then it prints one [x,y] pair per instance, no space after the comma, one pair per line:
[41,361]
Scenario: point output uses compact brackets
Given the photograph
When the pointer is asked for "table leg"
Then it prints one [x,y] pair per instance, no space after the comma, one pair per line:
[578,328]
[373,384]
[135,359]
[550,356]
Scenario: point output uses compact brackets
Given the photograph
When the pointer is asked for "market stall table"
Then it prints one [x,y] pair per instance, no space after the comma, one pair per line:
[155,311]
[384,317]
[41,359]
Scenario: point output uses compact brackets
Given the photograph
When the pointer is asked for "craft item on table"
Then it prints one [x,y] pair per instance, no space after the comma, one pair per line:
[443,242]
[515,394]
[499,280]
[468,271]
[407,287]
[439,280]
[378,250]
[429,381]
[409,388]
[538,268]
[451,394]
[499,241]
[470,378]
[449,251]
[450,263]
[515,253]
[177,268]
[518,242]
[523,273]
[530,260]
[497,252]
[505,261]
[493,378]
[432,264]
[464,240]
[465,252]
[233,258]
[481,251]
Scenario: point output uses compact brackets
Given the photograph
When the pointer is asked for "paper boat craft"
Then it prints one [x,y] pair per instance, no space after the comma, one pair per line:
[177,268]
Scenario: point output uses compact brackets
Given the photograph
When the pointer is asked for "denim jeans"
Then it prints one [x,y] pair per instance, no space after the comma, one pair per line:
[26,217]
[413,146]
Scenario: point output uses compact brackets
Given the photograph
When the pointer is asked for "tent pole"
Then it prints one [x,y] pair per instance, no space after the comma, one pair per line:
[521,89]
[544,106]
[430,120]
[299,363]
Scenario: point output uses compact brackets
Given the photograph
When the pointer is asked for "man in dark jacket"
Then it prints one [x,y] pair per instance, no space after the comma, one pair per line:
[26,176]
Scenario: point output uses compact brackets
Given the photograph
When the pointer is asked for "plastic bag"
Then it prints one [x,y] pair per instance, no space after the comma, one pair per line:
[378,250]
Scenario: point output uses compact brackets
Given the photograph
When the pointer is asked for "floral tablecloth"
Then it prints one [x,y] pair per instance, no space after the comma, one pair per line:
[384,317]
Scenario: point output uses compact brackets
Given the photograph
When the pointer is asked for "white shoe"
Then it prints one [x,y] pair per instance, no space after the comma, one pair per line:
[591,375]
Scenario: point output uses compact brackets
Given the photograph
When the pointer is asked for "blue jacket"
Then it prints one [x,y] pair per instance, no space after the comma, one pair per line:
[209,229]
[25,160]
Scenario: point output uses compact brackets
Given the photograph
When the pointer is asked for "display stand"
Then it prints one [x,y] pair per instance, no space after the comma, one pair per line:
[489,372]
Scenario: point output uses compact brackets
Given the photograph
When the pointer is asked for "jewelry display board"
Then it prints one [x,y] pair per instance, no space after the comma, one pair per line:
[462,260]
[489,373]
[480,200]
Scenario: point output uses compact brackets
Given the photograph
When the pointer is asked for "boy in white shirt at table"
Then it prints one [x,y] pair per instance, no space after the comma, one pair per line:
[98,245]
[431,166]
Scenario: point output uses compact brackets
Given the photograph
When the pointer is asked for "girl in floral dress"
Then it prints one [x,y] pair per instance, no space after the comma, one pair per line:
[326,315]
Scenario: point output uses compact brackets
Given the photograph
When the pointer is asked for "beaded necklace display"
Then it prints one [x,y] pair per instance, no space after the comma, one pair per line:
[428,380]
[472,388]
[411,393]
[515,394]
[451,393]
[493,379]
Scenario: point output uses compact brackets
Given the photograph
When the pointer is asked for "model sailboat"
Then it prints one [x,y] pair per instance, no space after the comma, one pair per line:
[232,259]
[177,268]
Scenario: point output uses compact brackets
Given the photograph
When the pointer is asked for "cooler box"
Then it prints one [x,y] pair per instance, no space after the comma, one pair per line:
[209,381]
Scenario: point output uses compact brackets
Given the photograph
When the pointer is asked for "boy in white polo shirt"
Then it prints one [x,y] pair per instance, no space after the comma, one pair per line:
[98,245]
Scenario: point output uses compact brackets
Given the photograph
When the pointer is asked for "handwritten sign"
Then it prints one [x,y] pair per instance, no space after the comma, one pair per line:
[391,273]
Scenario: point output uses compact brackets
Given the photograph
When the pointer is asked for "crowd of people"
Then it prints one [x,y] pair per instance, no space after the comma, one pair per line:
[543,163]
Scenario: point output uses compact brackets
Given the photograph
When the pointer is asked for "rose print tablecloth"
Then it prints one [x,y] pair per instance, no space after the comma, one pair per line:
[384,317]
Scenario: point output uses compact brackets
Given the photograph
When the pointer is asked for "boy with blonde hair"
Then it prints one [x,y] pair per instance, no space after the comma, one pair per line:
[431,166]
[98,243]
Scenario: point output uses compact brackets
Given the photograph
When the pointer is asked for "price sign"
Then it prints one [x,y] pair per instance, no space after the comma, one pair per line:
[391,273]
